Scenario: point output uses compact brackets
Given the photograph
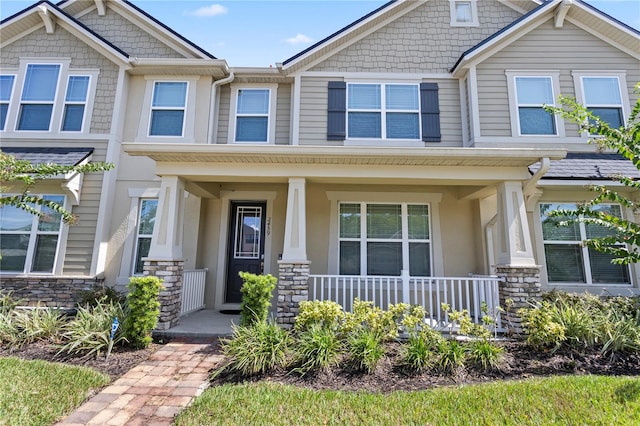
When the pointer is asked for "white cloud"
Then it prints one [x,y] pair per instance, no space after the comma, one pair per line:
[213,10]
[298,39]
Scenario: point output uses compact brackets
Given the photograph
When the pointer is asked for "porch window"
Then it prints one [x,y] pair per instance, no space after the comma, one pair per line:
[146,220]
[29,243]
[568,261]
[383,111]
[384,239]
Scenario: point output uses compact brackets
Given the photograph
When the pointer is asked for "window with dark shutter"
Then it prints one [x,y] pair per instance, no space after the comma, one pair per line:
[337,107]
[430,111]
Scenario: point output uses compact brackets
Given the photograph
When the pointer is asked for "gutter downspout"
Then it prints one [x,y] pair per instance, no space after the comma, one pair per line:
[211,132]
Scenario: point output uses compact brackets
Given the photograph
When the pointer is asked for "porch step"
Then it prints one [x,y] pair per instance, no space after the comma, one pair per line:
[206,323]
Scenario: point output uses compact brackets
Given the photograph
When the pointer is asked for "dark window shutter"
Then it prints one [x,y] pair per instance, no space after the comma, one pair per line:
[430,110]
[336,118]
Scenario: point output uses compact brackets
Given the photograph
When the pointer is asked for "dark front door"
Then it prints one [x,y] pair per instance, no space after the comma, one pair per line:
[246,245]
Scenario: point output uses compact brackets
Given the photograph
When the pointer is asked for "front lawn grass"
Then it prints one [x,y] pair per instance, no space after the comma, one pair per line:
[41,392]
[578,400]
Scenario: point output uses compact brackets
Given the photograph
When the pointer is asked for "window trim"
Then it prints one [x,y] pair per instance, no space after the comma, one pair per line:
[56,268]
[55,124]
[271,120]
[383,139]
[586,265]
[514,105]
[474,14]
[431,199]
[621,76]
[3,126]
[188,126]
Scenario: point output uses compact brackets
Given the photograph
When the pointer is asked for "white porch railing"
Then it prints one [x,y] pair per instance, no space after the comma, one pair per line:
[429,292]
[193,282]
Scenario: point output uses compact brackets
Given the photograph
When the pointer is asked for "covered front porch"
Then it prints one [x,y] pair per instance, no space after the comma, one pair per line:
[460,229]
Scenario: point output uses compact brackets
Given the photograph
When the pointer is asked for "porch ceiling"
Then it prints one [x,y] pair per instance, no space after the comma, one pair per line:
[325,155]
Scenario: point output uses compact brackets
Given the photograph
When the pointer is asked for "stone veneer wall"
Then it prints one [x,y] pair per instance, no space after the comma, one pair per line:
[293,288]
[61,292]
[170,272]
[521,285]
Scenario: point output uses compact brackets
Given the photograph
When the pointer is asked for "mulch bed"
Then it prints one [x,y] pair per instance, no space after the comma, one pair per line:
[520,362]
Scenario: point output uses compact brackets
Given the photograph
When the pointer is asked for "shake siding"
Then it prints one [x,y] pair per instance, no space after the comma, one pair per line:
[223,114]
[127,36]
[563,50]
[283,115]
[65,45]
[423,41]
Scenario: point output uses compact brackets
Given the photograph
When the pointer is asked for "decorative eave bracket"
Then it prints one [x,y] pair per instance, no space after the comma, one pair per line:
[529,188]
[47,18]
[101,5]
[561,12]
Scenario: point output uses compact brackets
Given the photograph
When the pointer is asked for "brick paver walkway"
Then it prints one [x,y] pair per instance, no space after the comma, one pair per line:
[154,391]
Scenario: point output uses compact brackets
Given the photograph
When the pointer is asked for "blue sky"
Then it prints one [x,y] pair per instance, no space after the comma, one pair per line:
[261,33]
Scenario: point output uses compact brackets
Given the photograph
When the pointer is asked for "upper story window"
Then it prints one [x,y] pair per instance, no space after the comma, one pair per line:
[29,243]
[6,87]
[383,111]
[532,94]
[464,13]
[168,108]
[46,97]
[252,115]
[568,260]
[38,97]
[602,98]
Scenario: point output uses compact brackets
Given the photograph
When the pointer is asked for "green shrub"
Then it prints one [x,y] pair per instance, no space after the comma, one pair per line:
[365,349]
[326,314]
[144,309]
[10,333]
[621,334]
[540,328]
[581,322]
[39,324]
[89,332]
[256,297]
[451,355]
[484,354]
[7,301]
[418,352]
[367,316]
[101,294]
[255,349]
[316,347]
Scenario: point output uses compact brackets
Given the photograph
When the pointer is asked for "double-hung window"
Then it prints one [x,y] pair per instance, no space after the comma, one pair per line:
[567,260]
[384,239]
[602,97]
[146,219]
[252,115]
[168,108]
[383,111]
[6,87]
[532,93]
[38,96]
[75,102]
[29,243]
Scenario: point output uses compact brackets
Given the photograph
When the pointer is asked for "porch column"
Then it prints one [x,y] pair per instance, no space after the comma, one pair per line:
[516,262]
[165,253]
[293,268]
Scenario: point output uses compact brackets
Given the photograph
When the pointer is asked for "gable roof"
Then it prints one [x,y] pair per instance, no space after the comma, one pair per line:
[28,19]
[349,34]
[625,36]
[152,25]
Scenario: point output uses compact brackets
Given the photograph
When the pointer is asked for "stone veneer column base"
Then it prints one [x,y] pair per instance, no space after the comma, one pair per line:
[521,286]
[170,272]
[293,288]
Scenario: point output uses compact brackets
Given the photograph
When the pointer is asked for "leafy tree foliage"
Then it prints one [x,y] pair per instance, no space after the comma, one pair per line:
[623,236]
[21,176]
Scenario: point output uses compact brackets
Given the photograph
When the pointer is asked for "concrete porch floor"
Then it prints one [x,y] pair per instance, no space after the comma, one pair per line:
[202,324]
